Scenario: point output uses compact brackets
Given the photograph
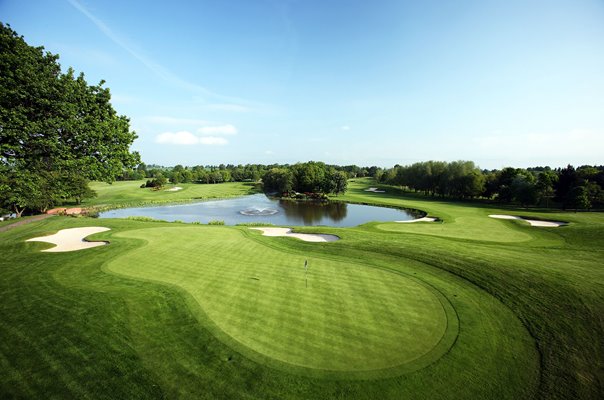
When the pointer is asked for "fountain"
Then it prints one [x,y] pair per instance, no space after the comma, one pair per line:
[258,211]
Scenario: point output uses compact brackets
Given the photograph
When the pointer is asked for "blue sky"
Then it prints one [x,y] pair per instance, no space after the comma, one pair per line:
[502,83]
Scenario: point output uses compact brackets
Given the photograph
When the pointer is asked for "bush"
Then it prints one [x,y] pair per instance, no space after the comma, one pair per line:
[216,222]
[155,183]
[144,219]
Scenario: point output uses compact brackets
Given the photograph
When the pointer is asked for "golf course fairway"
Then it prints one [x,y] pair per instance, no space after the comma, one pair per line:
[468,307]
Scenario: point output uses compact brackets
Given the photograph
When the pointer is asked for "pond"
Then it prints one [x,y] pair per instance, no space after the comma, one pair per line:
[260,208]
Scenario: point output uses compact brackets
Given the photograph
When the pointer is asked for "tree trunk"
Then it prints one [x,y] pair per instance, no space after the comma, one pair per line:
[17,212]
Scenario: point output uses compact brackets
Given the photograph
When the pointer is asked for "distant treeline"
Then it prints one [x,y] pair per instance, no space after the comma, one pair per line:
[580,188]
[229,173]
[309,177]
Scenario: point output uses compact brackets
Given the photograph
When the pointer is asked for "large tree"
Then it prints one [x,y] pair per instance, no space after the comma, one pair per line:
[53,127]
[309,176]
[278,180]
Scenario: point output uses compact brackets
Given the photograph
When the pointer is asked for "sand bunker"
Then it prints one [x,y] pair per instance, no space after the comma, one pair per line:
[532,222]
[174,189]
[71,239]
[375,190]
[424,219]
[307,237]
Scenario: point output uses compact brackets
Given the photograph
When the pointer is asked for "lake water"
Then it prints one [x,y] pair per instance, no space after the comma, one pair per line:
[259,208]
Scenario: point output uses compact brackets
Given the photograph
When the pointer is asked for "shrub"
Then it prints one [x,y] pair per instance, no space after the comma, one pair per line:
[144,219]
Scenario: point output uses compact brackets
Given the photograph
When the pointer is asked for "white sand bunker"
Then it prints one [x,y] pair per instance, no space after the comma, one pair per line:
[532,222]
[174,189]
[71,239]
[423,219]
[375,190]
[307,237]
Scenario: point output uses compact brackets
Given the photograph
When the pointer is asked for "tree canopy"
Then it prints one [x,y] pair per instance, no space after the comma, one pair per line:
[57,132]
[580,188]
[309,177]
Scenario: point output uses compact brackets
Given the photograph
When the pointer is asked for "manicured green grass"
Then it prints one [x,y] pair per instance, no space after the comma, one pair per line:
[472,308]
[346,317]
[130,193]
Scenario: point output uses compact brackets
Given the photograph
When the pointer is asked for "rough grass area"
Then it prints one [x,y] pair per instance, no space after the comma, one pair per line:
[472,308]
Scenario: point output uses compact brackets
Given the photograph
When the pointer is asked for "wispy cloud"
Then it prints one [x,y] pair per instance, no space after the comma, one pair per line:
[218,130]
[345,128]
[158,69]
[186,138]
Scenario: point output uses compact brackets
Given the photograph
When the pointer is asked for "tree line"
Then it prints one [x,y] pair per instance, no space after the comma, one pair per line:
[282,179]
[305,178]
[580,188]
[569,187]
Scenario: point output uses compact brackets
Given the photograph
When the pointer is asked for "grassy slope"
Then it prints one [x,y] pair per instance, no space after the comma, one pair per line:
[551,278]
[71,327]
[130,193]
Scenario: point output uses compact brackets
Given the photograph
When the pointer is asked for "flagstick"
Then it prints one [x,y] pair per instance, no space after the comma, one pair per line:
[306,272]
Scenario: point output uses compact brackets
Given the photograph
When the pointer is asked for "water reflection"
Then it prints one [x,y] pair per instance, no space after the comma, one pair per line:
[259,208]
[313,213]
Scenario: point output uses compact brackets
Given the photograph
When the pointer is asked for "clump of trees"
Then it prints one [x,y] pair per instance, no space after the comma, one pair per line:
[56,131]
[438,178]
[309,177]
[156,183]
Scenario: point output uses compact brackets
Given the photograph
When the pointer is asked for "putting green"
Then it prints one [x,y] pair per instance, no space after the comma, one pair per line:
[348,318]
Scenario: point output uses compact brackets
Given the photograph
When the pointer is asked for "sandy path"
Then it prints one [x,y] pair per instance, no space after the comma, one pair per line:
[375,190]
[532,222]
[20,222]
[174,189]
[307,237]
[71,239]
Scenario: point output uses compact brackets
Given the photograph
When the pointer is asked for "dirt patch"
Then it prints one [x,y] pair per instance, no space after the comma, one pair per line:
[21,222]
